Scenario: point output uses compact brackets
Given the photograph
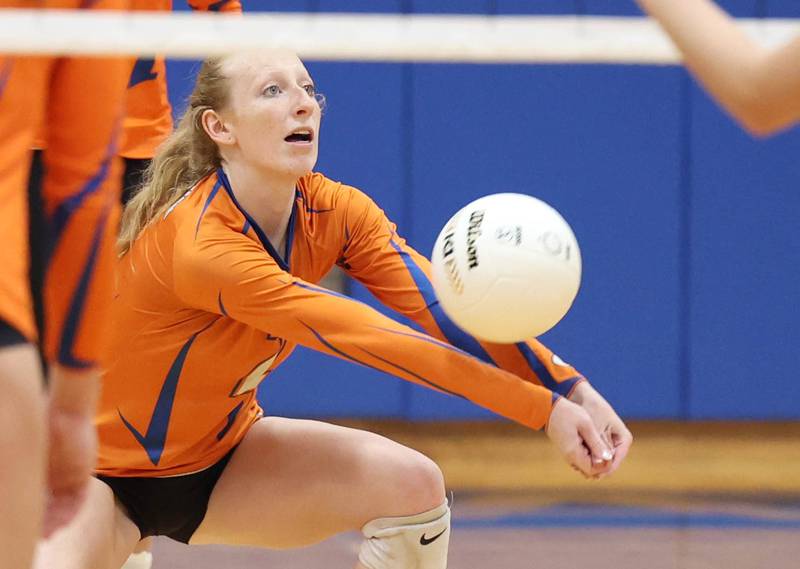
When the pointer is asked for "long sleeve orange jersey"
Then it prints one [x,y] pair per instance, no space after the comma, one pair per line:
[77,103]
[148,117]
[206,307]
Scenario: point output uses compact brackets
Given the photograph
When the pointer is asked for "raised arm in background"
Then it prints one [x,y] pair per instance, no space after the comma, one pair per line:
[758,86]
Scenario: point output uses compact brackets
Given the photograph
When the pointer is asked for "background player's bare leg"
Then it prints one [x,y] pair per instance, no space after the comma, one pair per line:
[293,482]
[22,454]
[100,537]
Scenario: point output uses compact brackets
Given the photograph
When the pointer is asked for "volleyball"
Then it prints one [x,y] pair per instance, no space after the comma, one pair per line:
[506,267]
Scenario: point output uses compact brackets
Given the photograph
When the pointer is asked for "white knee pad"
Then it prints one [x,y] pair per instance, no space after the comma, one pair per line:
[142,560]
[411,542]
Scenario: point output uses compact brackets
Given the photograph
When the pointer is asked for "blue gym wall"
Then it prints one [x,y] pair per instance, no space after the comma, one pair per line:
[688,227]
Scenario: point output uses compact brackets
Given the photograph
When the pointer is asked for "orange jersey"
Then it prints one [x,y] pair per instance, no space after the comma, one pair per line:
[206,307]
[80,103]
[148,117]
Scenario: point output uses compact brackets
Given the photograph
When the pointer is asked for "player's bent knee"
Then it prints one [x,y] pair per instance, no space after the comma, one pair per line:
[409,542]
[428,482]
[417,483]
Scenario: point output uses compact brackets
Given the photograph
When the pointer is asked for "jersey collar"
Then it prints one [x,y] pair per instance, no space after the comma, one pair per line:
[283,261]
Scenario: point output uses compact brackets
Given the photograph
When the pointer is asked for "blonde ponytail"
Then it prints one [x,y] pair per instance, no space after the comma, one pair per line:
[184,159]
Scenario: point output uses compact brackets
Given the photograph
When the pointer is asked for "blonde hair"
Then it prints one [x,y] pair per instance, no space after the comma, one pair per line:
[184,159]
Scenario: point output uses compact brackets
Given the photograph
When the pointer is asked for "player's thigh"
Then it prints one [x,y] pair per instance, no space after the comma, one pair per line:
[294,482]
[100,537]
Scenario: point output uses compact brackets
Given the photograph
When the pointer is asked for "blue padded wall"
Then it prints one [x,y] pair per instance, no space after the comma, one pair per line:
[745,259]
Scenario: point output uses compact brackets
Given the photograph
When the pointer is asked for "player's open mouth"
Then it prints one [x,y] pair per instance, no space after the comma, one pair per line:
[301,135]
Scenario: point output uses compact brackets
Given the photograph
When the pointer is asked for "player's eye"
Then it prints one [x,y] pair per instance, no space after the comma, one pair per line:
[271,91]
[310,90]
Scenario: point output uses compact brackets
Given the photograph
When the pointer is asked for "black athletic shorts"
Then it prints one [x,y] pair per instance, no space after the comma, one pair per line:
[173,506]
[10,336]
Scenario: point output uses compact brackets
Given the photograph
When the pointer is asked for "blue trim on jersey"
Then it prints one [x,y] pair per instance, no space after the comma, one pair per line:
[210,198]
[5,73]
[299,195]
[322,290]
[544,375]
[142,71]
[455,335]
[156,437]
[68,207]
[265,242]
[429,339]
[409,372]
[60,220]
[337,350]
[352,359]
[221,305]
[290,235]
[231,418]
[75,312]
[245,227]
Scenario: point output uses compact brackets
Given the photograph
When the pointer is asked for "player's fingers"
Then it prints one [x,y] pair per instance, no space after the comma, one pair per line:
[622,444]
[600,452]
[599,468]
[582,462]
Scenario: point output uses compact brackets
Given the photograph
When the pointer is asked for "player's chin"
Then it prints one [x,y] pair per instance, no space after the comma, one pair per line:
[301,161]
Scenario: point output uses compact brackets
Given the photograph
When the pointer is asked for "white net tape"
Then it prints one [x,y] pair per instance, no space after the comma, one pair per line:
[363,37]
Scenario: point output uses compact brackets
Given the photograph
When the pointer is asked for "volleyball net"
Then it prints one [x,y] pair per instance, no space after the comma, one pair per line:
[361,37]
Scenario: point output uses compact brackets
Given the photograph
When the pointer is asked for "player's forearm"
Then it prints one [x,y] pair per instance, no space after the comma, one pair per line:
[73,391]
[399,350]
[355,332]
[720,54]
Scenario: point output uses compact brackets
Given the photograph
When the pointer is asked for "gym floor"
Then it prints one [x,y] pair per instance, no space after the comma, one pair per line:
[690,496]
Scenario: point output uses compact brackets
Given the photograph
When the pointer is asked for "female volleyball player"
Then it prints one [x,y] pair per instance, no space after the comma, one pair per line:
[220,253]
[759,87]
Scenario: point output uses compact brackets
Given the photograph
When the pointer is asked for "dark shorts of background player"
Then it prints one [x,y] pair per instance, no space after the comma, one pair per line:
[10,336]
[173,506]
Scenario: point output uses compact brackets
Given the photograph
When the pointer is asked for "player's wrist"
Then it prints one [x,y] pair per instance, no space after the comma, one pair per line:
[581,392]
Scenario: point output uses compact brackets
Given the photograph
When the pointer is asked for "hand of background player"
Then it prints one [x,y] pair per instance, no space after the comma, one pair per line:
[72,452]
[606,420]
[577,439]
[72,456]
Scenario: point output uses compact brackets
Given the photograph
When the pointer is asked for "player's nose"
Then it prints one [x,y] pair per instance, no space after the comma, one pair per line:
[304,104]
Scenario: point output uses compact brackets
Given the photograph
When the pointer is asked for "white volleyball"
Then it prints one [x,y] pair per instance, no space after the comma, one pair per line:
[506,267]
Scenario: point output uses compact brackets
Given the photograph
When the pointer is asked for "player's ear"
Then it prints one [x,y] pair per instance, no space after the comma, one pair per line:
[215,127]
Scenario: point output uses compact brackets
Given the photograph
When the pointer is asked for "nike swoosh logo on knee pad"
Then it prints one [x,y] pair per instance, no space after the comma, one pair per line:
[426,541]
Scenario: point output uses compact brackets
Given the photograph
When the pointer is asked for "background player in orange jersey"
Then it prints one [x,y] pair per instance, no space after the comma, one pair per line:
[221,251]
[759,87]
[148,113]
[80,101]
